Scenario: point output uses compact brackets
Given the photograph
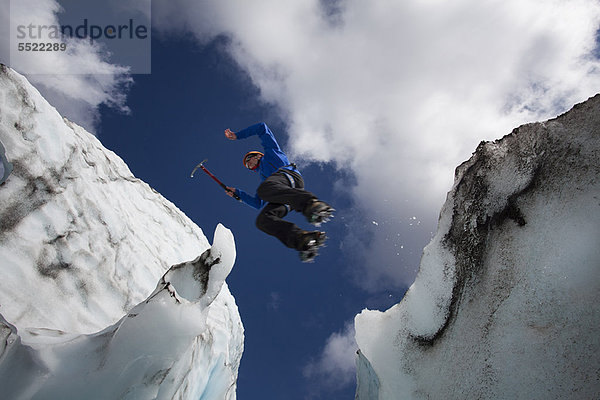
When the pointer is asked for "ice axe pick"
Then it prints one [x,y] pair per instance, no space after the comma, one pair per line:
[203,168]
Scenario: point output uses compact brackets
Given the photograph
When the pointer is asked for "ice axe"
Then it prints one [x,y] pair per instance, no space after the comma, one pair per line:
[203,168]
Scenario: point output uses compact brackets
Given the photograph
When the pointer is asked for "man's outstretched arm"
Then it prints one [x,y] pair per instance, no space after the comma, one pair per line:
[261,130]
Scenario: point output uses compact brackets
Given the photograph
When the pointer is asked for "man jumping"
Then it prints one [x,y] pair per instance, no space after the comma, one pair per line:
[282,189]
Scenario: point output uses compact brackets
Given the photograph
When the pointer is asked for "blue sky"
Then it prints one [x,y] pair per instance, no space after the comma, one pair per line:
[377,102]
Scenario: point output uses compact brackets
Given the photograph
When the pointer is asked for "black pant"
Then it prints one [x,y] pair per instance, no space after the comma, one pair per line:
[277,190]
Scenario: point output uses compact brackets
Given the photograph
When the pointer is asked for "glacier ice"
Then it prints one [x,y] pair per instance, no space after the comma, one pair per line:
[367,387]
[172,345]
[169,346]
[5,166]
[74,220]
[98,296]
[504,304]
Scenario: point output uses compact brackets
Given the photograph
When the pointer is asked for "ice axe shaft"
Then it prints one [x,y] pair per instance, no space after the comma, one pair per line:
[203,168]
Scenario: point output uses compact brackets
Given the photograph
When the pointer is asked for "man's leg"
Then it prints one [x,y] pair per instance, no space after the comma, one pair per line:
[270,221]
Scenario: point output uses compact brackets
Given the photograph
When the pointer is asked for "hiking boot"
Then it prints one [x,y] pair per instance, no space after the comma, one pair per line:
[311,239]
[309,245]
[317,212]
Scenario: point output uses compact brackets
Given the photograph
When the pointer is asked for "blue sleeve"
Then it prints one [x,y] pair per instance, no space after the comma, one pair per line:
[263,132]
[252,201]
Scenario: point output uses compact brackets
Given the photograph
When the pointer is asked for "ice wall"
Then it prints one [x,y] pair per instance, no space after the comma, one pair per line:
[504,305]
[83,244]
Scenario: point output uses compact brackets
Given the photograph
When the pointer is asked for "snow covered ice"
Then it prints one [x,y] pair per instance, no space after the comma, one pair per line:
[505,302]
[107,289]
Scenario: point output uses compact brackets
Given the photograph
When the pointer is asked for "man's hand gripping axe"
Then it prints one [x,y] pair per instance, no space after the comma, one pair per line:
[203,168]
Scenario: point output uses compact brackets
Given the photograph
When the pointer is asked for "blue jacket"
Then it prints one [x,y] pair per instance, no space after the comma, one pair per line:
[273,159]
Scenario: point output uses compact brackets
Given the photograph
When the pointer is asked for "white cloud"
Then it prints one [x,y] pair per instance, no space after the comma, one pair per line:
[81,80]
[402,92]
[335,367]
